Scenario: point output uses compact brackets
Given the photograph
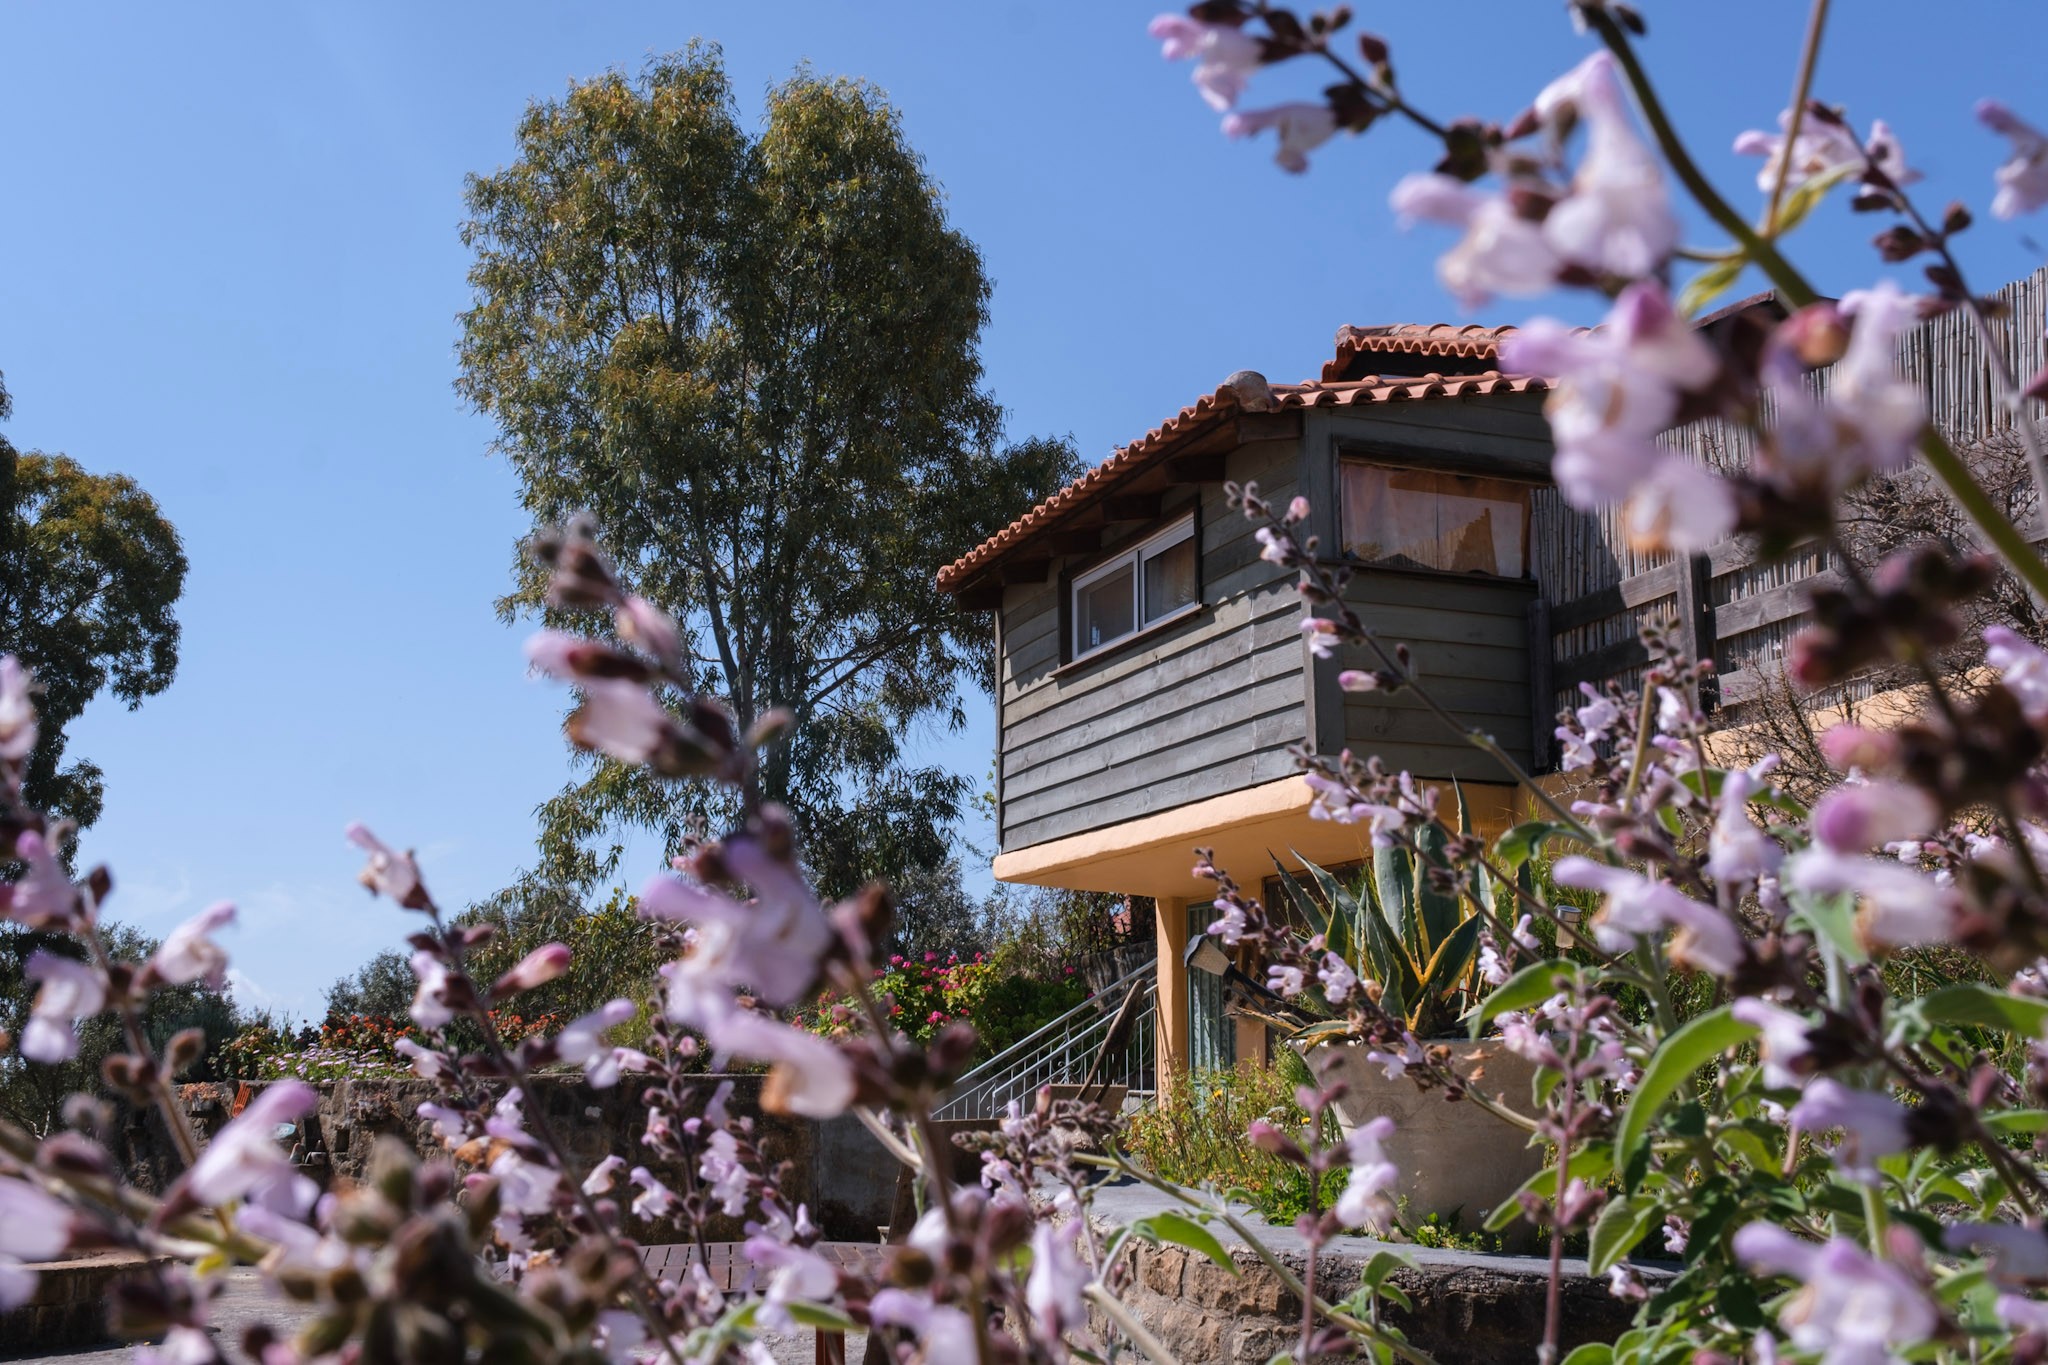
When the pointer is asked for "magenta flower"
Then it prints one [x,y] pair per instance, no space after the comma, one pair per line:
[652,629]
[1739,853]
[1302,129]
[1225,56]
[189,954]
[581,1043]
[1857,818]
[1058,1278]
[2023,180]
[945,1332]
[1785,1039]
[811,1077]
[655,1199]
[431,1007]
[1823,148]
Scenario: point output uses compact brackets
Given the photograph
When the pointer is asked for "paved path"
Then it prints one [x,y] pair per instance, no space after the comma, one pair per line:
[244,1301]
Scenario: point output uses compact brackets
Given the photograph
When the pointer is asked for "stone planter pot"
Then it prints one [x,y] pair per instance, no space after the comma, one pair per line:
[1453,1158]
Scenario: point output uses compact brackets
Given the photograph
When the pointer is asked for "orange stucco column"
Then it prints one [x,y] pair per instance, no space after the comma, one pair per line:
[1170,1026]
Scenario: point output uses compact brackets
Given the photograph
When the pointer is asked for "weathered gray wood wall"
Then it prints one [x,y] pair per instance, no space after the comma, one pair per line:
[1598,591]
[1469,632]
[1204,708]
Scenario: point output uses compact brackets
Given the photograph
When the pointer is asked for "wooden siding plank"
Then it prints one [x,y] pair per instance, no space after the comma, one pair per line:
[1116,742]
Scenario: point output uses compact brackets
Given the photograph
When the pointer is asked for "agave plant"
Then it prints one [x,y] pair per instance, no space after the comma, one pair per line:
[1419,944]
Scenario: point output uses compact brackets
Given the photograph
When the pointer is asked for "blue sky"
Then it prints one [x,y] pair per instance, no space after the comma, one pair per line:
[229,268]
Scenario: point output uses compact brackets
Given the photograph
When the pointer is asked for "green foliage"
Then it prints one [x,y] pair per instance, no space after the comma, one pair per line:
[923,994]
[1194,1134]
[1420,943]
[90,574]
[754,358]
[32,1094]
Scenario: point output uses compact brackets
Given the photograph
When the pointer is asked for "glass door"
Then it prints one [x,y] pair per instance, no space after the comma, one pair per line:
[1212,1036]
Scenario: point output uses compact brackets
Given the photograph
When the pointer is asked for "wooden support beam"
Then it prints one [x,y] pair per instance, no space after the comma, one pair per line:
[1130,507]
[1026,570]
[1196,468]
[1542,697]
[1695,614]
[1268,426]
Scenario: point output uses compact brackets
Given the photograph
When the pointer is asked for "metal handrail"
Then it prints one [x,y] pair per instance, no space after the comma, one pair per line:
[1057,1052]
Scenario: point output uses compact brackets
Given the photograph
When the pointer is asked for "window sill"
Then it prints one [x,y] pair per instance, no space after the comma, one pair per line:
[1367,566]
[1179,616]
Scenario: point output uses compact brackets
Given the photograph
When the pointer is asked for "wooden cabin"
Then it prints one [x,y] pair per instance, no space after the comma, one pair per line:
[1153,680]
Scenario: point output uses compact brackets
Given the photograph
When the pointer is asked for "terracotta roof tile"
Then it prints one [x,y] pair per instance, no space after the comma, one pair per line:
[1414,338]
[1140,454]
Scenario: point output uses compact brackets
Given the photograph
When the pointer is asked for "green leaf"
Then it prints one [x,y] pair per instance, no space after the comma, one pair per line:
[1525,841]
[1394,872]
[1438,915]
[1591,1353]
[1532,985]
[1591,1164]
[1618,1228]
[819,1316]
[2017,1121]
[1703,288]
[1181,1230]
[1834,919]
[1806,198]
[1382,1264]
[1682,1054]
[1983,1007]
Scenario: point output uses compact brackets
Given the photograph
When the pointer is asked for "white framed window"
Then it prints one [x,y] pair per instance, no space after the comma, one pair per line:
[1148,582]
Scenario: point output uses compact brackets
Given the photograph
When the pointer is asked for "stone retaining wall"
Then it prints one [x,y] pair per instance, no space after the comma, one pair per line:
[1468,1310]
[70,1305]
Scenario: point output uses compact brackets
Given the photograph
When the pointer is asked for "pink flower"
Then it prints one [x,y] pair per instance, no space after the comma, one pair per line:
[34,1226]
[945,1332]
[2018,1255]
[1320,634]
[524,1186]
[621,719]
[1365,1201]
[1785,1039]
[1637,906]
[2023,668]
[17,711]
[1284,981]
[1739,853]
[1225,56]
[1502,251]
[655,1199]
[536,969]
[1337,977]
[244,1160]
[427,1064]
[652,629]
[431,1006]
[188,954]
[1902,906]
[1302,129]
[389,873]
[71,990]
[2023,180]
[1823,148]
[1873,1126]
[581,1043]
[1053,1292]
[773,944]
[1617,219]
[797,1275]
[1857,818]
[1852,1308]
[599,1181]
[810,1076]
[1616,390]
[44,898]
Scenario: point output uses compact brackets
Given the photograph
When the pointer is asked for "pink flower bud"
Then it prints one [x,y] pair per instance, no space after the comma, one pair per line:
[1852,746]
[537,968]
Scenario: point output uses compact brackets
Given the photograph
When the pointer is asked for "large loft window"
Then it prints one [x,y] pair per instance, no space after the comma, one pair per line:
[1150,581]
[1430,519]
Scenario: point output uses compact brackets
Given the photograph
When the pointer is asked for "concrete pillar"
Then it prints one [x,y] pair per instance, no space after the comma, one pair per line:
[1170,1031]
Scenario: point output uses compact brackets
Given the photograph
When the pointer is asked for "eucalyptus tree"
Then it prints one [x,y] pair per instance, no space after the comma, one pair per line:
[753,357]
